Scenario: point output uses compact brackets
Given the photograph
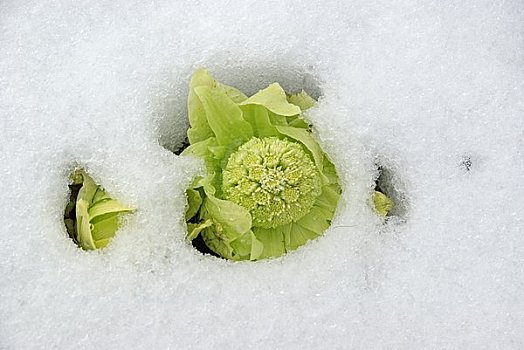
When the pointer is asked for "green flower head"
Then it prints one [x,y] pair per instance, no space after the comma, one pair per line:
[275,180]
[268,188]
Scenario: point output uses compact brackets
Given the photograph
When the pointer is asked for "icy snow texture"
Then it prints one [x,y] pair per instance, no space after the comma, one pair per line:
[418,86]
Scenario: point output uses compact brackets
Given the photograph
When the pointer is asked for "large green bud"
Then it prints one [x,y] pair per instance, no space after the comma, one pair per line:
[269,188]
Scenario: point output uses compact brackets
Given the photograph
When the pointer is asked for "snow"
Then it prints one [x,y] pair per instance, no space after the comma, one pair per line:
[414,86]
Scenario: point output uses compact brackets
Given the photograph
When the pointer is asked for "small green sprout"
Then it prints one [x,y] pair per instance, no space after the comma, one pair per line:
[382,203]
[92,217]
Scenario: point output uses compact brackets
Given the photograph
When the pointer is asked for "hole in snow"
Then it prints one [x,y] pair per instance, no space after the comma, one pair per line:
[91,216]
[249,80]
[389,183]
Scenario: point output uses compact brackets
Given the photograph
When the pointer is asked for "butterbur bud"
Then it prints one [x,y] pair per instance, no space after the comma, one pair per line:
[269,187]
[97,216]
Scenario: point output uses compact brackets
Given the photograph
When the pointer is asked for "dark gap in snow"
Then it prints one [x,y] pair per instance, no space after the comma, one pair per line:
[388,183]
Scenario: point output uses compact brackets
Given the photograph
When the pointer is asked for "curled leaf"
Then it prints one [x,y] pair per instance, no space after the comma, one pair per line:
[302,100]
[273,98]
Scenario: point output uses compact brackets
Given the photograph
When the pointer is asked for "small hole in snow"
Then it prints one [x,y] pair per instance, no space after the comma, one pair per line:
[389,183]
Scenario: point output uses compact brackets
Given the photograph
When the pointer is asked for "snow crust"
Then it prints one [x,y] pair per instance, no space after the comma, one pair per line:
[432,91]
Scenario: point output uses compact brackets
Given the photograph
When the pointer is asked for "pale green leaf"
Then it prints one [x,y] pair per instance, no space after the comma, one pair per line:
[100,194]
[297,236]
[217,244]
[84,238]
[314,221]
[257,247]
[274,99]
[194,201]
[258,117]
[218,152]
[200,149]
[329,171]
[102,243]
[224,117]
[383,204]
[193,230]
[200,129]
[233,219]
[234,94]
[272,240]
[276,119]
[105,226]
[88,190]
[247,247]
[107,206]
[302,100]
[242,246]
[298,122]
[329,197]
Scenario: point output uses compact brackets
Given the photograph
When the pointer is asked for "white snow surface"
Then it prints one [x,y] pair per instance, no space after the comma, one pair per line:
[415,86]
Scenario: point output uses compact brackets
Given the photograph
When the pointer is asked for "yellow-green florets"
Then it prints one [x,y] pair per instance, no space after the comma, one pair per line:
[274,179]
